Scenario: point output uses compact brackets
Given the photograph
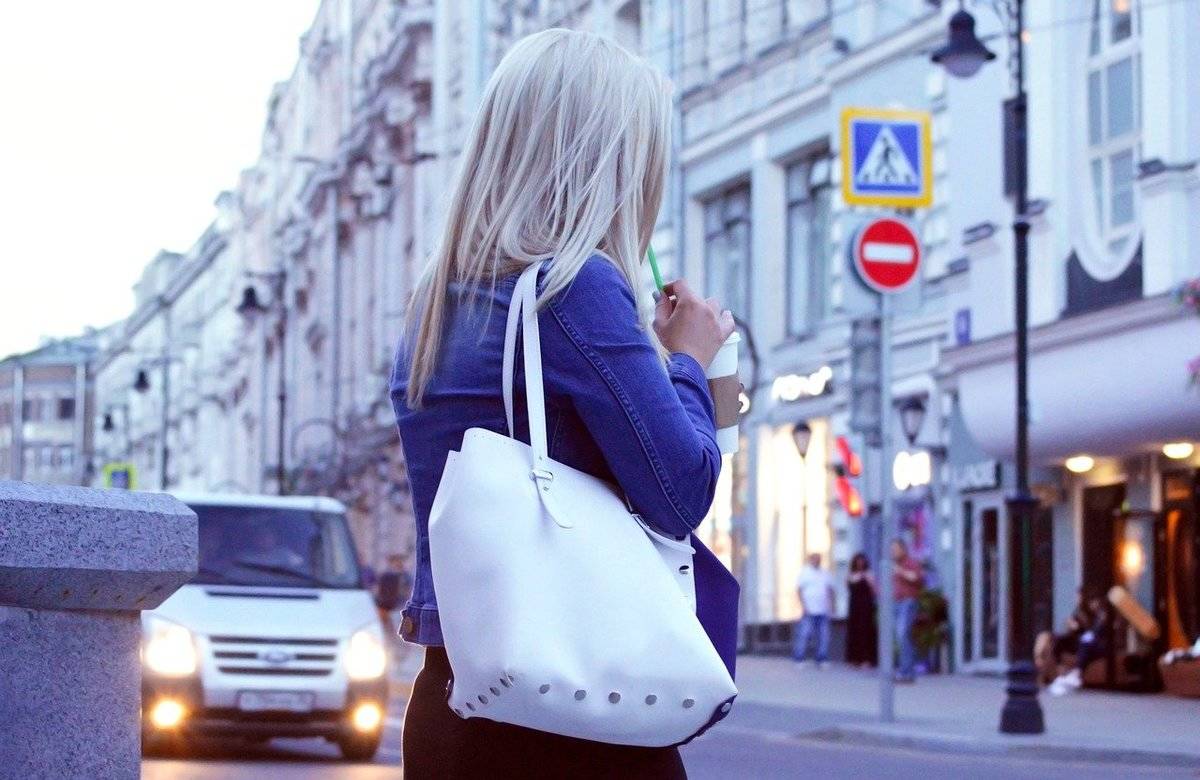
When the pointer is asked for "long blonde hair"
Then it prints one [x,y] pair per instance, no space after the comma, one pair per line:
[567,157]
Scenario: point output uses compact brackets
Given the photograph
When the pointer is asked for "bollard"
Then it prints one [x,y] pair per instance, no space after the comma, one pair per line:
[77,566]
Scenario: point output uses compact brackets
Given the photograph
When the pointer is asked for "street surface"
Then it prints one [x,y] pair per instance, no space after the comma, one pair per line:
[758,741]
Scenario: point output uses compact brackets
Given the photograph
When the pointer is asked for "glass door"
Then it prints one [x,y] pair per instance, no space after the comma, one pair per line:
[983,611]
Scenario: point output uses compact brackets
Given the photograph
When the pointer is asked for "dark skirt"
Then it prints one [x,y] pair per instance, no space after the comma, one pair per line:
[862,633]
[439,744]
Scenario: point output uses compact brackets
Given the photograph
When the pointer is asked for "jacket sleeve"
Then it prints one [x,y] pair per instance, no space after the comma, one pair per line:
[654,426]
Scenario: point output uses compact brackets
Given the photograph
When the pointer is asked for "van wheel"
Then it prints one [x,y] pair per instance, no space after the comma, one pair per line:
[360,748]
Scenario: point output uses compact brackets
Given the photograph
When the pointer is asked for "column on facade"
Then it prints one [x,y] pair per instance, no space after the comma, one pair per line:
[1171,136]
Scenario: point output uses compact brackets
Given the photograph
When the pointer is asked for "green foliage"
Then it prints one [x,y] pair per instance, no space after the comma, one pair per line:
[931,628]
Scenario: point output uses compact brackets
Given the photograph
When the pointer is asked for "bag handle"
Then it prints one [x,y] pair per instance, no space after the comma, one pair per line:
[523,305]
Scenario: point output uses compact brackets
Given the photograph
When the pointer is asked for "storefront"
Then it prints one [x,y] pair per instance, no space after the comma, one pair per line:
[1116,471]
[775,503]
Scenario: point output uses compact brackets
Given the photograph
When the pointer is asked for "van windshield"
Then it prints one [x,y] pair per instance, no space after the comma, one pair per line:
[273,546]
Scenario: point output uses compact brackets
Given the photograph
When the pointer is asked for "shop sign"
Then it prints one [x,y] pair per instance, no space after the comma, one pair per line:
[793,387]
[982,475]
[911,469]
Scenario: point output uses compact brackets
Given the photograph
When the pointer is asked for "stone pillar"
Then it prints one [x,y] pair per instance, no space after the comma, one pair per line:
[77,566]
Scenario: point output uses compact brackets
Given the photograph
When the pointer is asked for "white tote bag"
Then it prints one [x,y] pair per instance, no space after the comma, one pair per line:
[560,610]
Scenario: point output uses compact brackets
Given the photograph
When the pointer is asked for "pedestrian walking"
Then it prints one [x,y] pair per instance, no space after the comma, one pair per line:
[565,163]
[907,581]
[862,631]
[815,587]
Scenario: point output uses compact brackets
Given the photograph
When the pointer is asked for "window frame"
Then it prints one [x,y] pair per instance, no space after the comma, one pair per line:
[721,237]
[1102,54]
[817,184]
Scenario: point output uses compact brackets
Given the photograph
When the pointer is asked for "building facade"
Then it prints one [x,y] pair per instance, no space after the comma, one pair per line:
[257,361]
[1114,147]
[46,402]
[763,225]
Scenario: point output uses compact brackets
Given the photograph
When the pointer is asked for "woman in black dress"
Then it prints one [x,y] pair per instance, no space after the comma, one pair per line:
[862,643]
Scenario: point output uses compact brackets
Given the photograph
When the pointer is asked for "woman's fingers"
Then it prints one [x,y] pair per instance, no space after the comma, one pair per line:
[680,290]
[725,319]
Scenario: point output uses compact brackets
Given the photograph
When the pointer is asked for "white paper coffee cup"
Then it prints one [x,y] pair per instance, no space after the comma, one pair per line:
[725,387]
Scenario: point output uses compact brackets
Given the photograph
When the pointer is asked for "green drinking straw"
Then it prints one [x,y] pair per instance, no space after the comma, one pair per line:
[658,280]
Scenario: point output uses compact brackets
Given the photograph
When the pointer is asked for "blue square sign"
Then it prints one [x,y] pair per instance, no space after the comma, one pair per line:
[886,158]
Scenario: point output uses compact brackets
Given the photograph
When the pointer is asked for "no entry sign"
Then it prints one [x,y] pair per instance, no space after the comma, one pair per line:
[887,255]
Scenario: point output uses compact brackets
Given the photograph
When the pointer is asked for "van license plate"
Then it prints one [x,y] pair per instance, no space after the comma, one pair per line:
[280,701]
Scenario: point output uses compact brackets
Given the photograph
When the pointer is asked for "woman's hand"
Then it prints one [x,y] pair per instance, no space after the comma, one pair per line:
[689,324]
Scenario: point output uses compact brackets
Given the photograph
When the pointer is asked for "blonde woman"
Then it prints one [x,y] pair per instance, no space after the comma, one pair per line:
[565,163]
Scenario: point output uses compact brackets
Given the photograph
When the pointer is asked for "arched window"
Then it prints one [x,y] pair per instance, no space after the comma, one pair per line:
[1114,124]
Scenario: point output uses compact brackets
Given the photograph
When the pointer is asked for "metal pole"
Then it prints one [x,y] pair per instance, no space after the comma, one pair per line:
[18,423]
[887,613]
[1022,714]
[164,450]
[281,302]
[83,454]
[128,433]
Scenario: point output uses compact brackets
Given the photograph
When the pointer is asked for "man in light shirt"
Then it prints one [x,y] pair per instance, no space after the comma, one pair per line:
[815,587]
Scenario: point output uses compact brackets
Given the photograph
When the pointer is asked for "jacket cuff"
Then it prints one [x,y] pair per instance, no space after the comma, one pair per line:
[684,365]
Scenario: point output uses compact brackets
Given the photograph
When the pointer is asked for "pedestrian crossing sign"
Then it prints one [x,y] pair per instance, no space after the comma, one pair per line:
[887,158]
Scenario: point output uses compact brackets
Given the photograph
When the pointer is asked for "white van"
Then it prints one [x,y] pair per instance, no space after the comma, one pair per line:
[277,636]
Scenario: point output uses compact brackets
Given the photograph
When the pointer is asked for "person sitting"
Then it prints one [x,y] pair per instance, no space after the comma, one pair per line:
[1092,644]
[1051,649]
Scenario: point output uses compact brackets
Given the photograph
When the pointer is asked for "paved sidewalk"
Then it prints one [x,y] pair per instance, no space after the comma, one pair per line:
[961,713]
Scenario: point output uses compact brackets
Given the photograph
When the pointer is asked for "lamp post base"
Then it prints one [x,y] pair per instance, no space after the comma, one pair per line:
[1022,714]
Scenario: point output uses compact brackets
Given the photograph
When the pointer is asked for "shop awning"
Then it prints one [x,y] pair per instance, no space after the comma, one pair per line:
[1110,383]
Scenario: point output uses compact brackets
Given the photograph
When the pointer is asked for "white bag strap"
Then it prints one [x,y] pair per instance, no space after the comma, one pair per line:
[523,304]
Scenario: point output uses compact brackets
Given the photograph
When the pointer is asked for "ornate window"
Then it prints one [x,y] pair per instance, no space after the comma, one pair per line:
[727,249]
[1114,125]
[809,199]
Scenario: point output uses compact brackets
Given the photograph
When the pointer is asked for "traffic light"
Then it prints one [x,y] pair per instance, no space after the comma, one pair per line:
[847,468]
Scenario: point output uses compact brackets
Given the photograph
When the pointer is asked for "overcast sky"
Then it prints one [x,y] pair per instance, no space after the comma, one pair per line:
[120,122]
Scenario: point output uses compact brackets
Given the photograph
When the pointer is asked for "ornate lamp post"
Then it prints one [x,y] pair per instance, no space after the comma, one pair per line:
[250,307]
[962,56]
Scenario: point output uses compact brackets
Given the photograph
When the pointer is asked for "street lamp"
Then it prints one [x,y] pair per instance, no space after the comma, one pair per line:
[802,435]
[963,56]
[912,417]
[250,307]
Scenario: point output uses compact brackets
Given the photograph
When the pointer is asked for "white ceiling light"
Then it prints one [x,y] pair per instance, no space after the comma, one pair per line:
[1080,464]
[1178,450]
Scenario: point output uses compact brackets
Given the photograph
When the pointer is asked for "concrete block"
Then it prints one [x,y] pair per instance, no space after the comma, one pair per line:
[77,566]
[64,547]
[70,693]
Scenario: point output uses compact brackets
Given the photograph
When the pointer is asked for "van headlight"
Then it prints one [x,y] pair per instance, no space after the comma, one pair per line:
[366,657]
[168,648]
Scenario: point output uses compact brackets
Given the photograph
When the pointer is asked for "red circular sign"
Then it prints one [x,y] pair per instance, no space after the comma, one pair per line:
[887,255]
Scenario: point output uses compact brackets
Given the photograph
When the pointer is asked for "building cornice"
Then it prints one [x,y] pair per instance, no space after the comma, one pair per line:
[1064,332]
[913,39]
[206,250]
[917,36]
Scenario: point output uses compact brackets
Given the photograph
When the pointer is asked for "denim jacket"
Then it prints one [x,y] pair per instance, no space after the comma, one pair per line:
[613,410]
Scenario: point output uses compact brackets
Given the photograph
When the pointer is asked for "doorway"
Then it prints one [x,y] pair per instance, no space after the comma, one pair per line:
[1181,567]
[983,613]
[1101,506]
